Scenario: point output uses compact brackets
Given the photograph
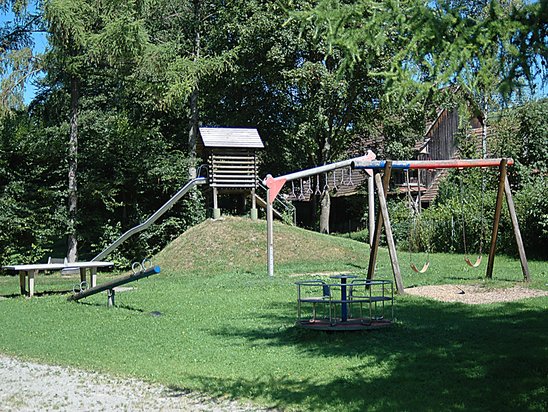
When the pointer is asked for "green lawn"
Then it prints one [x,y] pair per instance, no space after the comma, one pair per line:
[232,333]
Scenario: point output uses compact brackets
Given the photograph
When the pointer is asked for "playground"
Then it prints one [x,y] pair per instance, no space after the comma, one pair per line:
[215,324]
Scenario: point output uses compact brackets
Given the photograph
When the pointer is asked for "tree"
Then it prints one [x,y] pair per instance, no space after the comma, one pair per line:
[308,104]
[441,42]
[83,36]
[18,61]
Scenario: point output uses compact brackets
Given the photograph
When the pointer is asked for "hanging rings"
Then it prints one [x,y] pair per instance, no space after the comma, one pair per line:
[301,193]
[318,191]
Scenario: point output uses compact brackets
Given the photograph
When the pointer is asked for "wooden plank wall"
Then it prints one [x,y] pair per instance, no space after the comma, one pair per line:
[233,168]
[441,143]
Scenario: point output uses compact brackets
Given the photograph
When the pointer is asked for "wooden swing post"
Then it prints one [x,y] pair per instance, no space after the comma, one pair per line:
[496,219]
[378,226]
[517,232]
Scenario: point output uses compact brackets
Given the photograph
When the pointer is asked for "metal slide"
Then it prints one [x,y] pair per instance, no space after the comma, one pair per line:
[139,228]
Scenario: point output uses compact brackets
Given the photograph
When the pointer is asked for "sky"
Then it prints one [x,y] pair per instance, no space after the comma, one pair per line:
[40,44]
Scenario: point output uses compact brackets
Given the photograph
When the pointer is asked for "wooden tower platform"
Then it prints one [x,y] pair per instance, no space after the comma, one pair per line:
[231,156]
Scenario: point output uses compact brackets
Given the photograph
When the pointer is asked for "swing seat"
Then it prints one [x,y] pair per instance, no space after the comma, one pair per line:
[424,268]
[473,265]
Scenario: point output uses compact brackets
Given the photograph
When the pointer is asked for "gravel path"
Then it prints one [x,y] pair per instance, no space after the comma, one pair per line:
[29,386]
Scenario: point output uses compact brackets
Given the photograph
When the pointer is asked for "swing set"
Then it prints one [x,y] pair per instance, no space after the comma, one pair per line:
[383,219]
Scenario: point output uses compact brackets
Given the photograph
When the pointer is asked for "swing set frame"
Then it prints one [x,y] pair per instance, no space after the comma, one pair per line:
[383,169]
[383,219]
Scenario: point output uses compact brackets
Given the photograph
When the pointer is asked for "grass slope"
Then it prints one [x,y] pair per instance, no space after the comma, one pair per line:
[227,329]
[238,244]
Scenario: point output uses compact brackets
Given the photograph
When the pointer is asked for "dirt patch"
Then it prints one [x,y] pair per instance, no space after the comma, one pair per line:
[474,294]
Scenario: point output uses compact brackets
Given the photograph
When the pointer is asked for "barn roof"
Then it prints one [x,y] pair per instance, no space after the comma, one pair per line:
[231,137]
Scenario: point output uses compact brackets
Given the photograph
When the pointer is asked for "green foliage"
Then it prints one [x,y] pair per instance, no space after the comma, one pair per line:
[317,89]
[475,44]
[18,62]
[31,200]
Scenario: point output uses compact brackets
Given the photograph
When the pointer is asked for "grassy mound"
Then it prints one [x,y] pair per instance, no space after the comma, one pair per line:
[238,244]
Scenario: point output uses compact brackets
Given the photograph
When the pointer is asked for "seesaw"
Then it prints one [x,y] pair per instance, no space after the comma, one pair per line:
[109,286]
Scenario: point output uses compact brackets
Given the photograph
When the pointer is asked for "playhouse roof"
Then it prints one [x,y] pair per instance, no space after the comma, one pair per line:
[231,137]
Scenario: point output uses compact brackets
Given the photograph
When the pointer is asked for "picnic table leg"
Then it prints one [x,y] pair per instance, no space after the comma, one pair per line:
[31,274]
[93,276]
[22,280]
[82,274]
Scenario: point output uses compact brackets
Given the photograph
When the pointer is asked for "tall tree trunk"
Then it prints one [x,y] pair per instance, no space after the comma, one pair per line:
[72,241]
[325,210]
[194,113]
[325,202]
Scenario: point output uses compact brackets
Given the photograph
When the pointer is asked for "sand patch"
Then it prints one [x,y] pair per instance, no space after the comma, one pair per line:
[474,294]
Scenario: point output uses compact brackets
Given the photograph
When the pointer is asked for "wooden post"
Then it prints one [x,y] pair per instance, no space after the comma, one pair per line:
[82,274]
[378,227]
[389,237]
[496,220]
[517,233]
[254,212]
[22,280]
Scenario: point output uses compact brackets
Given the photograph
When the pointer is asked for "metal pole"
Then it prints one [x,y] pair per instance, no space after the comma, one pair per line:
[371,198]
[322,169]
[269,235]
[430,164]
[275,184]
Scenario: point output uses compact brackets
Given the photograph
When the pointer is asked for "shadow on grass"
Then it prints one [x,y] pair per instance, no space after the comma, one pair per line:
[38,294]
[437,357]
[95,304]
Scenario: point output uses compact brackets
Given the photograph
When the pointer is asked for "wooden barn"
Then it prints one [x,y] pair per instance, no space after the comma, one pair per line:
[231,156]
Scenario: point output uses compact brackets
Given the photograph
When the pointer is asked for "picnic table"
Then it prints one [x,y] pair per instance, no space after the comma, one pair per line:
[27,273]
